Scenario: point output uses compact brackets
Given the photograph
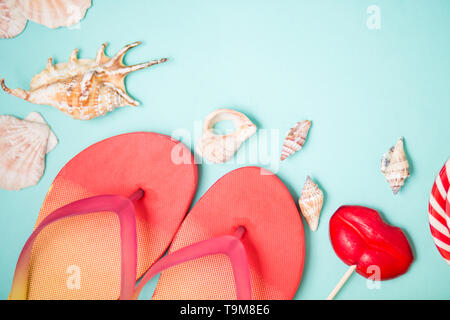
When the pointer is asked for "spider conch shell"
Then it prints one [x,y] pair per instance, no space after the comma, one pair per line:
[220,148]
[295,139]
[23,146]
[12,21]
[395,167]
[311,201]
[85,88]
[54,13]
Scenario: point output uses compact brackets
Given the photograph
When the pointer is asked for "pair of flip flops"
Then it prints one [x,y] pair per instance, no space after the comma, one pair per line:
[114,210]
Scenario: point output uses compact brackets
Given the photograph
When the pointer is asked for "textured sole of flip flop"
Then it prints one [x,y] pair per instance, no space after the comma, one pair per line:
[79,257]
[274,240]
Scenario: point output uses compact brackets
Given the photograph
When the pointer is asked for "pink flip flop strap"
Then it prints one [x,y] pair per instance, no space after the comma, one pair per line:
[120,205]
[230,245]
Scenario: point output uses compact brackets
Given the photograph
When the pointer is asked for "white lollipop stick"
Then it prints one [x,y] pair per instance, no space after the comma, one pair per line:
[341,282]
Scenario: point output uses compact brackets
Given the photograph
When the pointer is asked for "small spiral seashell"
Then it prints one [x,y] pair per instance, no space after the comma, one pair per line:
[295,139]
[395,166]
[311,202]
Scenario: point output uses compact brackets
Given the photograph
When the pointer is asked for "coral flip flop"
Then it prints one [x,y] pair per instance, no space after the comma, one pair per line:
[243,239]
[75,255]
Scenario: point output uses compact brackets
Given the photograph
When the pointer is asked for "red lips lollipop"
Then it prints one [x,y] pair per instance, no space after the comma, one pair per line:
[364,241]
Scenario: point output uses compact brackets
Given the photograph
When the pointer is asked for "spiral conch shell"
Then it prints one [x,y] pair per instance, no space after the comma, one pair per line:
[85,88]
[395,166]
[220,148]
[12,21]
[311,201]
[23,146]
[295,139]
[54,13]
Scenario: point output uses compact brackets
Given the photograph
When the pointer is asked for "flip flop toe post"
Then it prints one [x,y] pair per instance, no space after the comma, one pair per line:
[243,239]
[75,255]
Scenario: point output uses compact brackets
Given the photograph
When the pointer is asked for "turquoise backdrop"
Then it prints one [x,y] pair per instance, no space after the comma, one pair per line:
[278,62]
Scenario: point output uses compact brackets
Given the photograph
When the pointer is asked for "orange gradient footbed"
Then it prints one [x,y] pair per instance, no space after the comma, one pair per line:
[274,240]
[90,244]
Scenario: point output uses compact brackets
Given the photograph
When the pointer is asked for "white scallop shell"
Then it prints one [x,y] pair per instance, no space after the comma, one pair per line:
[395,166]
[12,21]
[23,146]
[54,13]
[221,148]
[311,202]
[52,139]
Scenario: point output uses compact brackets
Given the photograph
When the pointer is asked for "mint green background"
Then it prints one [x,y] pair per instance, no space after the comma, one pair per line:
[279,62]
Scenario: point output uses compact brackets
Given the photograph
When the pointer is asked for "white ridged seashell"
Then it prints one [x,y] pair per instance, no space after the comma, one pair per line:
[395,166]
[311,202]
[52,139]
[54,13]
[12,21]
[295,139]
[23,146]
[220,148]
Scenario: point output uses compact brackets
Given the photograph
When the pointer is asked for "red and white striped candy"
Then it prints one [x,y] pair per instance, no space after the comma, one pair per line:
[439,212]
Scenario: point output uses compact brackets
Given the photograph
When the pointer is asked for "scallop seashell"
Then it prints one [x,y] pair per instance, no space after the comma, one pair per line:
[54,13]
[295,139]
[85,88]
[311,201]
[23,146]
[12,21]
[221,148]
[395,166]
[52,139]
